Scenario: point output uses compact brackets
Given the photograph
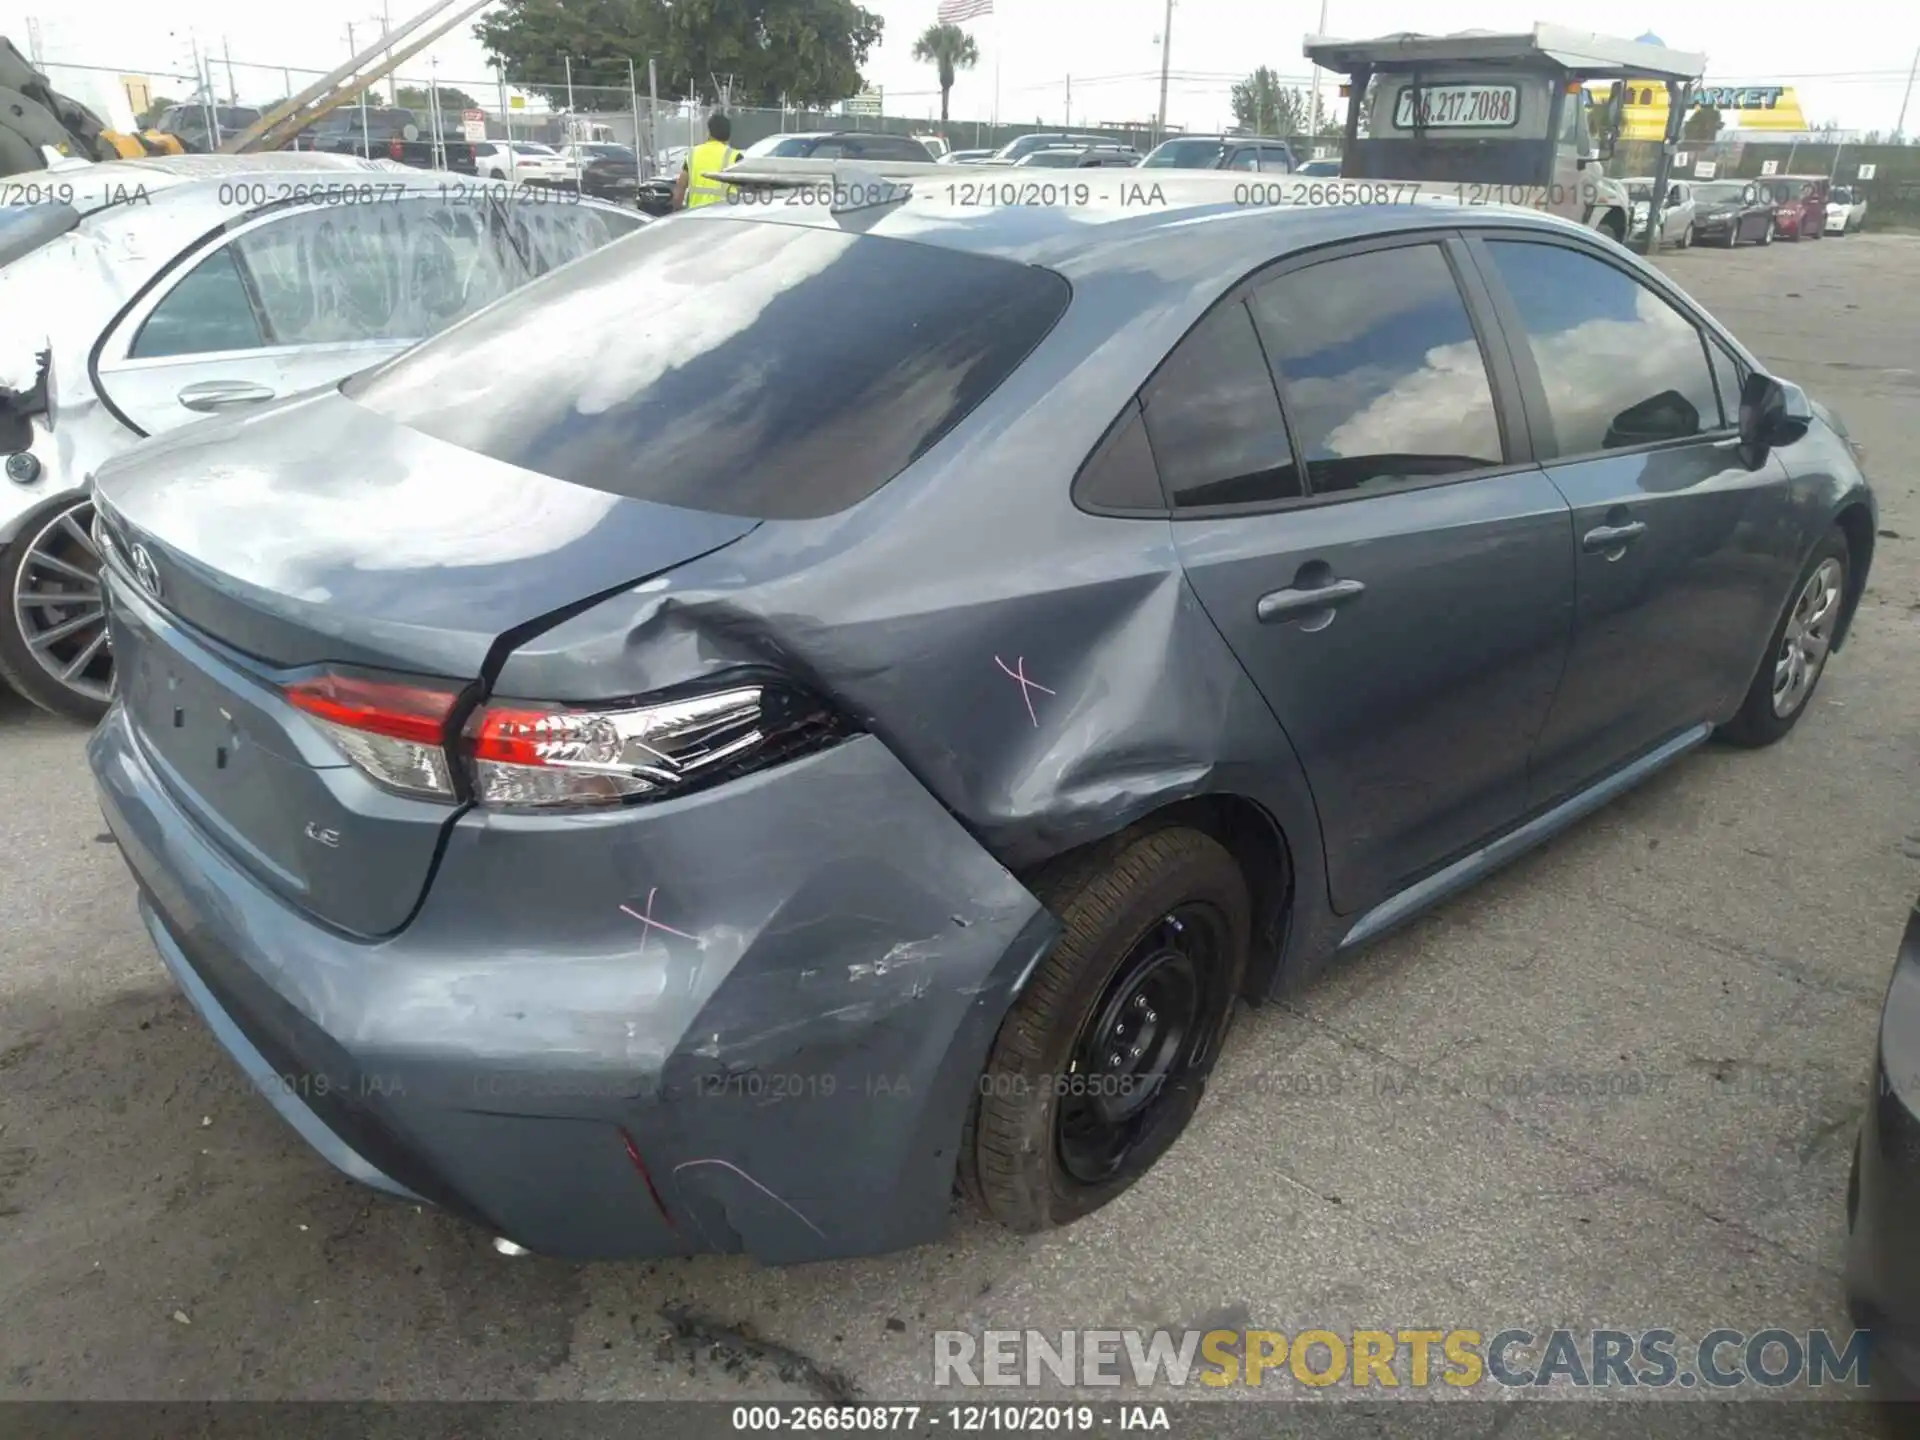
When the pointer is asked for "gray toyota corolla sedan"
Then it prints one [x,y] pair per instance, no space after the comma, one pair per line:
[798,708]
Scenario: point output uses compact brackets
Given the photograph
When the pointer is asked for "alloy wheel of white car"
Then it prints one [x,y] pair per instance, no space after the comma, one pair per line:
[54,647]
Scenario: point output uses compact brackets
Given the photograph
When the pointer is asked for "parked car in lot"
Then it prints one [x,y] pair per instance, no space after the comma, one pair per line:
[537,767]
[1318,167]
[525,162]
[604,168]
[1677,213]
[1725,212]
[1079,157]
[965,157]
[839,145]
[1846,210]
[167,290]
[1024,145]
[1222,152]
[386,134]
[936,145]
[1883,1238]
[201,128]
[1799,205]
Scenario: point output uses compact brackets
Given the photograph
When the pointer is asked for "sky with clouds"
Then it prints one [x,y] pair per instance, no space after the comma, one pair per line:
[1850,64]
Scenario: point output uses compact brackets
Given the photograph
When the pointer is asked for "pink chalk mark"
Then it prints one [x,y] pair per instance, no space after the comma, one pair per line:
[653,924]
[1020,673]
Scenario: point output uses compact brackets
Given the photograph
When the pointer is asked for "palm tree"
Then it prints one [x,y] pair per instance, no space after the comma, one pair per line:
[950,48]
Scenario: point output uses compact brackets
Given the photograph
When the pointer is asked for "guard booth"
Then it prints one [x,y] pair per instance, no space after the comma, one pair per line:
[1503,118]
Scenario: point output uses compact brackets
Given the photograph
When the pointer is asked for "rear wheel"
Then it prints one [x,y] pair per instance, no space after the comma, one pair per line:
[53,642]
[1102,1060]
[1767,237]
[1796,656]
[1686,237]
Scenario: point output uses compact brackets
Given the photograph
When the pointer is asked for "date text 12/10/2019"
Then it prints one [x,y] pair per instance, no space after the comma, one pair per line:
[961,1419]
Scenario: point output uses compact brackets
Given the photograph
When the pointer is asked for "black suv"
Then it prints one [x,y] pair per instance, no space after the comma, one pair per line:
[189,124]
[1222,152]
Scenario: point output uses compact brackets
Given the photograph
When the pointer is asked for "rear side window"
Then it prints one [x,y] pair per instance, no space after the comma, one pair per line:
[1621,367]
[1380,369]
[1214,420]
[733,366]
[206,313]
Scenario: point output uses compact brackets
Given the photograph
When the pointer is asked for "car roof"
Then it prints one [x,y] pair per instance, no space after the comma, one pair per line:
[1198,230]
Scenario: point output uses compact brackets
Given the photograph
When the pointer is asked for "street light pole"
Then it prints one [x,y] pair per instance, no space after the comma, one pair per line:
[1900,125]
[1166,56]
[1316,73]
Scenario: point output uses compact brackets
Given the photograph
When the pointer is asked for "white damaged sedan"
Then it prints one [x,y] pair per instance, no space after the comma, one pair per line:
[143,295]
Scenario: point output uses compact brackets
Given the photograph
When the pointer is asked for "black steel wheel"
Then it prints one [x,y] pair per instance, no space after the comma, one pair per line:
[1103,1057]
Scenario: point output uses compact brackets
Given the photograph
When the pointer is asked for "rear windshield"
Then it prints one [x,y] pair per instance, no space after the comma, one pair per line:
[25,228]
[736,366]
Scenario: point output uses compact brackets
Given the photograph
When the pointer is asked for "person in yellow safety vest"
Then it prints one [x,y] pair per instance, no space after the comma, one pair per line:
[693,188]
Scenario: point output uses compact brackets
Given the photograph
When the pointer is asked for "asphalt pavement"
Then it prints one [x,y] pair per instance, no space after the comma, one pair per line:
[1616,1086]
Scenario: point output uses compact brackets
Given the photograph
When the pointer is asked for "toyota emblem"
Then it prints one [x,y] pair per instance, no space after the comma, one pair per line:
[145,571]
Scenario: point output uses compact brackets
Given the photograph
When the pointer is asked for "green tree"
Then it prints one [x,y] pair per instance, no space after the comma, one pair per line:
[1703,124]
[950,49]
[150,116]
[809,51]
[452,99]
[1262,105]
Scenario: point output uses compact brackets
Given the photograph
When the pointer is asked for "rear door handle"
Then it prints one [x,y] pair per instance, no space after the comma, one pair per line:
[1612,537]
[1281,606]
[211,396]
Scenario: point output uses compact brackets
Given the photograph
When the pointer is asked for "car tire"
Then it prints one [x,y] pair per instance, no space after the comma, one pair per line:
[1811,615]
[1157,922]
[1686,238]
[1767,238]
[44,558]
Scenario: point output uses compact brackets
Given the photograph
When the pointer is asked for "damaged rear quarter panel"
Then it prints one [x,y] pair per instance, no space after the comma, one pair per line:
[1048,674]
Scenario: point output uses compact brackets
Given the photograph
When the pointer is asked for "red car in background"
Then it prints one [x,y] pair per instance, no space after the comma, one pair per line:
[1799,205]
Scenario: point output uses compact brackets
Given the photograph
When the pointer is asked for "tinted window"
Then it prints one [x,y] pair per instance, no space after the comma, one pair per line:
[1214,420]
[1620,365]
[368,273]
[886,147]
[1382,376]
[1120,474]
[739,367]
[1054,159]
[1272,158]
[1186,155]
[1244,160]
[207,311]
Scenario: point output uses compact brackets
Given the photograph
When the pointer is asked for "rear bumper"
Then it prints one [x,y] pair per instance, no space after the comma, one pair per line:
[785,1073]
[1883,1201]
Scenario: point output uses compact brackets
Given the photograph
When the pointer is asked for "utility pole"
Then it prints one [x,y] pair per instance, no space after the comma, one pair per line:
[1166,57]
[633,99]
[393,80]
[233,91]
[1069,102]
[34,52]
[1900,125]
[568,59]
[206,92]
[1316,74]
[653,115]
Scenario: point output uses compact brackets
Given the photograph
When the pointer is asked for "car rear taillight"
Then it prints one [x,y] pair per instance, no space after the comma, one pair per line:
[394,731]
[524,754]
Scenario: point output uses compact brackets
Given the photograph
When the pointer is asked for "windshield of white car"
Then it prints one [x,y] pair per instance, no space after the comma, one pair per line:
[1640,192]
[782,146]
[1842,195]
[25,228]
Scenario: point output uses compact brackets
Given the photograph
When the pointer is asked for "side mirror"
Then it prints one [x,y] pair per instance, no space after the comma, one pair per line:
[1772,413]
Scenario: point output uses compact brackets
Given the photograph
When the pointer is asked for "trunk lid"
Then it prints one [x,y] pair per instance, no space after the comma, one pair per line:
[242,552]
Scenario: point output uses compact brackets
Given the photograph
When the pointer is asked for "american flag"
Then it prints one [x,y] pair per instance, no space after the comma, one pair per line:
[954,12]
